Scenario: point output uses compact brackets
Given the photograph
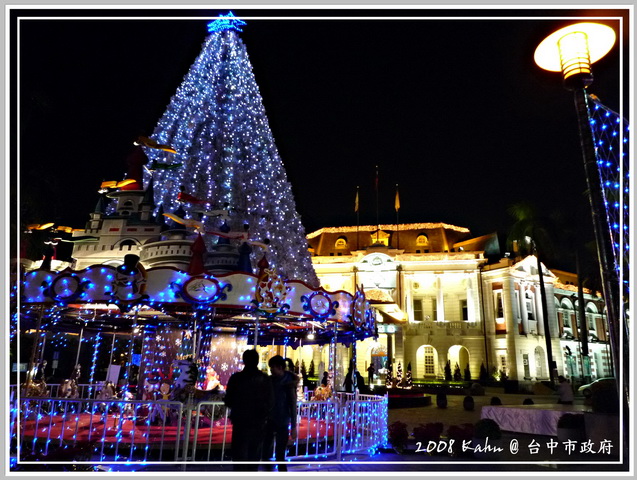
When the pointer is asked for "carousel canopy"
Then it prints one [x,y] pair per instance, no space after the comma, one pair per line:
[107,298]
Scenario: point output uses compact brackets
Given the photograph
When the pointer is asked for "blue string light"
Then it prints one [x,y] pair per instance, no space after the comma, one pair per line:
[614,171]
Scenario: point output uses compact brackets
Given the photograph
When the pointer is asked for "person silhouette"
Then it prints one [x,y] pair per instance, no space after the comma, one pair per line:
[250,397]
[281,423]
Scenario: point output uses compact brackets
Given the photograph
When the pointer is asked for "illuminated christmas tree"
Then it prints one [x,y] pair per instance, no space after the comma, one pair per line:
[226,167]
[408,379]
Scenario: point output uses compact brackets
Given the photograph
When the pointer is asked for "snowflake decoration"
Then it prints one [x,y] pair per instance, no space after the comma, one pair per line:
[224,367]
[158,338]
[178,342]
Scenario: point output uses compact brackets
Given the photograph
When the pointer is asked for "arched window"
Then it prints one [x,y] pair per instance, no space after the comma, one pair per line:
[341,242]
[422,240]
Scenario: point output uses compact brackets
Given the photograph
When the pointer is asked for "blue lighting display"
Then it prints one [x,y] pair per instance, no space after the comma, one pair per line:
[611,133]
[226,22]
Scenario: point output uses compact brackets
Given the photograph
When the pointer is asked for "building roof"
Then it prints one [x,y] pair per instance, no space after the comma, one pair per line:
[391,227]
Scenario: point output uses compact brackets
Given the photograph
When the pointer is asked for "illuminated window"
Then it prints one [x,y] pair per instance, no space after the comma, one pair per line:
[341,242]
[567,320]
[464,310]
[418,313]
[530,306]
[499,307]
[429,361]
[379,238]
[422,240]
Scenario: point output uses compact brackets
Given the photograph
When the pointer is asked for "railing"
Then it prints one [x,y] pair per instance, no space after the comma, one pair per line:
[116,431]
[445,327]
[84,389]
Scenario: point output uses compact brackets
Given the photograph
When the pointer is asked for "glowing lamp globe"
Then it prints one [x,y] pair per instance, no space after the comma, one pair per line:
[573,49]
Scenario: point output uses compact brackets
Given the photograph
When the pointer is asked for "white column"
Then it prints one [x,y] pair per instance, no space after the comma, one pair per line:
[440,302]
[523,312]
[538,310]
[471,312]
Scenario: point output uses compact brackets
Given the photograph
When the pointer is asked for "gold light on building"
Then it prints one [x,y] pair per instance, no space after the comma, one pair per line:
[573,49]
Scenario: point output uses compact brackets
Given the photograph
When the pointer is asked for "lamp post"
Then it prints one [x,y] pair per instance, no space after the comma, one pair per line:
[572,50]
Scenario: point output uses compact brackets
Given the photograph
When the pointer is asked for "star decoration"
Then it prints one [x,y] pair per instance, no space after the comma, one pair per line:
[226,22]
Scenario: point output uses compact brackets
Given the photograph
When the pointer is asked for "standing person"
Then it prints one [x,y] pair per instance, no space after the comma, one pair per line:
[281,423]
[370,374]
[325,379]
[348,384]
[250,397]
[565,391]
[289,367]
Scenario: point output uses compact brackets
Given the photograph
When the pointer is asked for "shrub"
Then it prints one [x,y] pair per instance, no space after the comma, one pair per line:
[605,399]
[441,400]
[448,375]
[457,376]
[468,403]
[467,373]
[487,428]
[484,375]
[528,401]
[476,389]
[571,420]
[428,432]
[460,432]
[397,434]
[496,401]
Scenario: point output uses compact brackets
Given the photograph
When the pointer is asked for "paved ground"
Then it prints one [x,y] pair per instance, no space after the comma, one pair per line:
[524,460]
[455,414]
[387,460]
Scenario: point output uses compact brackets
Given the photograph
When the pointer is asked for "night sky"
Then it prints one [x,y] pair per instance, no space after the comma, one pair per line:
[454,110]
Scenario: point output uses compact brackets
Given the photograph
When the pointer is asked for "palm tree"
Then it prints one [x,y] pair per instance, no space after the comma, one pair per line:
[532,235]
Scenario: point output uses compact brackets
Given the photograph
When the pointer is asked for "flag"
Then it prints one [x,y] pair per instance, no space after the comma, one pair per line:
[356,201]
[397,201]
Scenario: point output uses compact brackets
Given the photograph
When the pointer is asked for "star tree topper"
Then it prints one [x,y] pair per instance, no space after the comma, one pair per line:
[226,22]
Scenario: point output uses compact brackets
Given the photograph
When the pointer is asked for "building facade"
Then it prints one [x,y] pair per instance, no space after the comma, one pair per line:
[443,296]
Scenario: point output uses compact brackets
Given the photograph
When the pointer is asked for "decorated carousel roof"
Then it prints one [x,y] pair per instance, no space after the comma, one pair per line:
[120,299]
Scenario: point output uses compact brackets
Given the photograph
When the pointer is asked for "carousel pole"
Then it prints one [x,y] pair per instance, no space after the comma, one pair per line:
[110,360]
[194,339]
[256,330]
[79,347]
[131,350]
[332,363]
[353,362]
[31,369]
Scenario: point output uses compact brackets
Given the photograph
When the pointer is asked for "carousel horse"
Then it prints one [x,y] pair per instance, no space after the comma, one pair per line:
[68,388]
[37,387]
[106,392]
[322,392]
[185,390]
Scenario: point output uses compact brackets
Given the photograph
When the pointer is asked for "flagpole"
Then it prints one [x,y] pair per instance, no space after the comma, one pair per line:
[397,207]
[357,218]
[377,218]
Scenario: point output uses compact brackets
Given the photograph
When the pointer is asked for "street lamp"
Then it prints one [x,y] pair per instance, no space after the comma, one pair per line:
[572,50]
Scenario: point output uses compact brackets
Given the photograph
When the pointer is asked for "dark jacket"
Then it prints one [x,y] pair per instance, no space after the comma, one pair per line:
[284,411]
[250,397]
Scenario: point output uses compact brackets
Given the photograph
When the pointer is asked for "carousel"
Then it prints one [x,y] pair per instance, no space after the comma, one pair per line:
[193,328]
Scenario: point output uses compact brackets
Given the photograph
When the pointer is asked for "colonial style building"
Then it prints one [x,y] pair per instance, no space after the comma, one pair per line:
[443,296]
